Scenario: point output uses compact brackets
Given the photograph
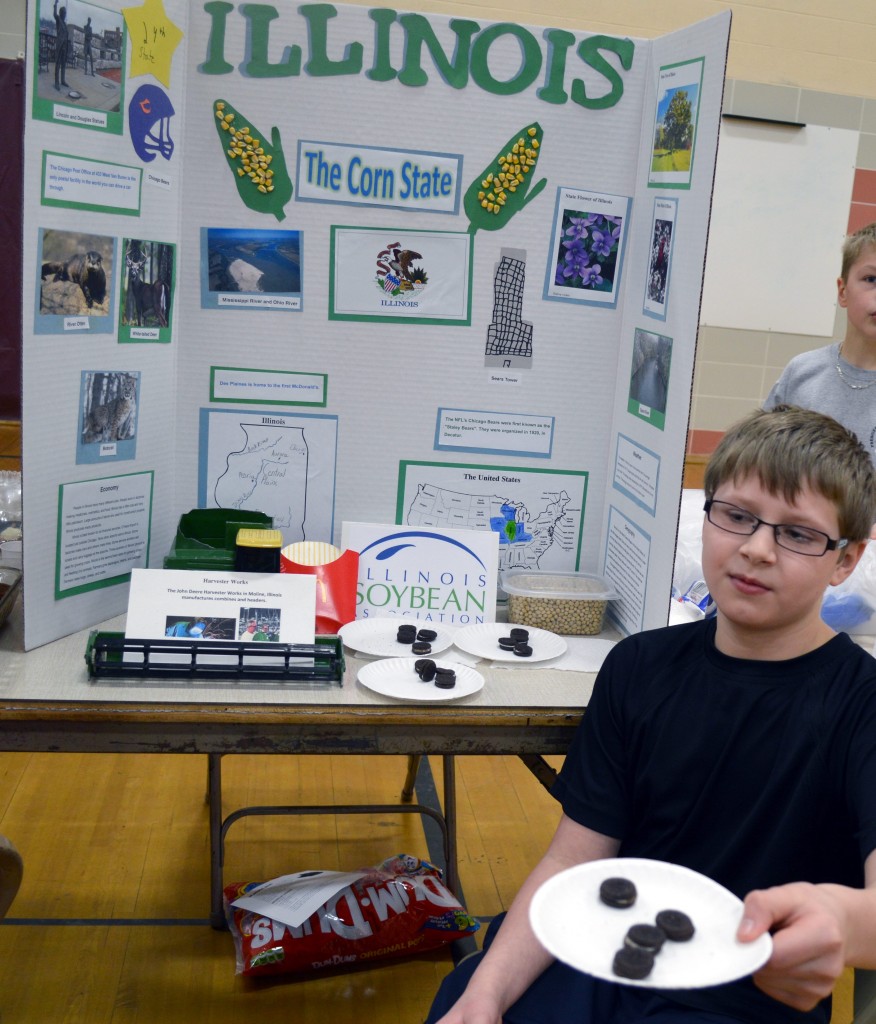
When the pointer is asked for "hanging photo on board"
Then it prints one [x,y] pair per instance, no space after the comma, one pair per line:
[249,268]
[146,295]
[587,245]
[80,65]
[108,401]
[675,124]
[660,259]
[649,380]
[75,283]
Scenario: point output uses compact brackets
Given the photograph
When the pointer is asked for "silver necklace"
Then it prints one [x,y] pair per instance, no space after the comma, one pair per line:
[845,380]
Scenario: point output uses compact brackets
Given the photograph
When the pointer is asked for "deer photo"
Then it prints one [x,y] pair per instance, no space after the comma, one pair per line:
[148,300]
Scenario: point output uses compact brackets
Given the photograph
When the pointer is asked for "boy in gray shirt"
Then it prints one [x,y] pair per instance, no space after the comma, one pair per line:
[838,379]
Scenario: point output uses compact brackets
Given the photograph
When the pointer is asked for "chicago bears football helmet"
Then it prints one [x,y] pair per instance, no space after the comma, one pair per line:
[149,114]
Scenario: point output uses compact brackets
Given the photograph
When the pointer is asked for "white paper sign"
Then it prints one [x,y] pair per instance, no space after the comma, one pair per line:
[75,180]
[291,899]
[494,432]
[432,574]
[190,605]
[103,530]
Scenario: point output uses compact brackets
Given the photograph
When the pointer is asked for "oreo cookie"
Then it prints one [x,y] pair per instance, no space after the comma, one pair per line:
[617,892]
[406,634]
[519,634]
[645,936]
[425,669]
[507,643]
[675,925]
[421,647]
[427,634]
[523,650]
[633,963]
[445,678]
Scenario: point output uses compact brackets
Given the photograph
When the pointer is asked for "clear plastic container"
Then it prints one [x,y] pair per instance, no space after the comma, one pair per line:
[10,496]
[569,603]
[10,521]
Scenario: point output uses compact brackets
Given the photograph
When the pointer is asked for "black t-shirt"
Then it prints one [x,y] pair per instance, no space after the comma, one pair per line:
[755,773]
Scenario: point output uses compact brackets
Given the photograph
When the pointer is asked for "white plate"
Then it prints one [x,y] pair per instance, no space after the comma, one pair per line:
[395,677]
[573,924]
[377,637]
[482,639]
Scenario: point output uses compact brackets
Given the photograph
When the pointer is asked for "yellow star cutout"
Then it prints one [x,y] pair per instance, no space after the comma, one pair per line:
[154,37]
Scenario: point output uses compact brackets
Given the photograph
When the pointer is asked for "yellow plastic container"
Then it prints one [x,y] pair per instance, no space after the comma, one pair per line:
[258,550]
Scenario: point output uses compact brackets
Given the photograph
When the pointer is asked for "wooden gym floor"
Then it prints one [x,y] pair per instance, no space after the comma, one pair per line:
[111,923]
[10,445]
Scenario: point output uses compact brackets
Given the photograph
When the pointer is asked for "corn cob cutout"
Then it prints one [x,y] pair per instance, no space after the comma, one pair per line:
[495,196]
[258,167]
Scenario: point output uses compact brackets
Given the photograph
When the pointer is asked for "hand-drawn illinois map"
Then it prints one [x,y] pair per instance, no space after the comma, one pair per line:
[278,463]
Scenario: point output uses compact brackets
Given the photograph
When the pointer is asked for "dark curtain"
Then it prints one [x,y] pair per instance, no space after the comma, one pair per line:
[11,188]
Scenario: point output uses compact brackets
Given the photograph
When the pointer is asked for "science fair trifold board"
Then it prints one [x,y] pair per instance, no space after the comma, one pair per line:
[349,263]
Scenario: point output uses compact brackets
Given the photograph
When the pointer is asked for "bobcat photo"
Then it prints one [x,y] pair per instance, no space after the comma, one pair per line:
[75,274]
[109,410]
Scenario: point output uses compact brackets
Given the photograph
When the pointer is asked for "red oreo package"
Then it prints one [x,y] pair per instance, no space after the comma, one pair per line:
[399,908]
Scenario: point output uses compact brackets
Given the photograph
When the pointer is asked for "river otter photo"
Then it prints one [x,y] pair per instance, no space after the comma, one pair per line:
[75,274]
[84,269]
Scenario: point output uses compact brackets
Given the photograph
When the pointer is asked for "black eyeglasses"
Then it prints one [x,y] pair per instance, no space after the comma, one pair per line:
[802,540]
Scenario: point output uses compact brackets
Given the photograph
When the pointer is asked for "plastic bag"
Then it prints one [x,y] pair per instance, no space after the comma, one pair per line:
[399,908]
[688,566]
[851,605]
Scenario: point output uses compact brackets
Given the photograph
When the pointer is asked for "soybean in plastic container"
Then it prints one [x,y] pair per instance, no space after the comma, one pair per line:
[568,603]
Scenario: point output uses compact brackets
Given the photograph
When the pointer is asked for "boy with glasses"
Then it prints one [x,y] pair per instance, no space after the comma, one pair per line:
[801,539]
[743,747]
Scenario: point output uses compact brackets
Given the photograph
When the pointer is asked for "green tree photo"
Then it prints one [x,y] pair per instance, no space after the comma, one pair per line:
[677,127]
[673,136]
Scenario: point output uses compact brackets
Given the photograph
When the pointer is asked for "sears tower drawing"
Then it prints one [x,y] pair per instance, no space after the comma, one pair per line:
[509,337]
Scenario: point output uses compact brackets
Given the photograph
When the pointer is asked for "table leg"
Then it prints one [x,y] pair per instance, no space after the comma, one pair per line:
[214,799]
[546,775]
[407,793]
[450,844]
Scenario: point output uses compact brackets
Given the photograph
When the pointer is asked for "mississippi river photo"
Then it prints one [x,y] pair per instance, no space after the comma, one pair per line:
[254,261]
